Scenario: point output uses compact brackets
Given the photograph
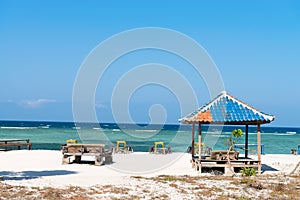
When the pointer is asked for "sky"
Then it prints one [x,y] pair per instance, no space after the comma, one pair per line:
[254,44]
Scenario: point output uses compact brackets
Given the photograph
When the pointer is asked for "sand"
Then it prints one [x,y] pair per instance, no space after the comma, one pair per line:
[43,168]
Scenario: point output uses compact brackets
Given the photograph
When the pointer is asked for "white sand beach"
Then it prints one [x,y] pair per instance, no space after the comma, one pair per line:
[39,174]
[44,168]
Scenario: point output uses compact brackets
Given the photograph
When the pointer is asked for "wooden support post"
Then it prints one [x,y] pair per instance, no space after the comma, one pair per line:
[108,159]
[193,141]
[258,149]
[29,145]
[65,160]
[77,159]
[246,142]
[200,145]
[99,160]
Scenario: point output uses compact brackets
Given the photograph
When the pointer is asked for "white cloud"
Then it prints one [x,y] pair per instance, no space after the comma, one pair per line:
[35,103]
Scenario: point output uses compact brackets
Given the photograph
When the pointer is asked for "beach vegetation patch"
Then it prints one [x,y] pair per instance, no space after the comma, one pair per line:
[174,178]
[286,190]
[232,188]
[178,187]
[183,191]
[243,198]
[173,185]
[115,190]
[246,180]
[134,197]
[146,191]
[137,177]
[52,193]
[256,185]
[279,188]
[169,178]
[161,196]
[200,186]
[248,171]
[78,197]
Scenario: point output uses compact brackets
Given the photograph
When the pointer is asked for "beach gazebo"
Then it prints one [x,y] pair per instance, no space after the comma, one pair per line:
[227,110]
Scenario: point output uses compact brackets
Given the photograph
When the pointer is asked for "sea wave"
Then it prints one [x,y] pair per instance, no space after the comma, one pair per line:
[219,136]
[17,127]
[45,127]
[95,128]
[291,132]
[287,133]
[115,129]
[213,132]
[226,133]
[139,130]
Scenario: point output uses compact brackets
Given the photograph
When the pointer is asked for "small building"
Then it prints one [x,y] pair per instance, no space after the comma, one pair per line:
[227,110]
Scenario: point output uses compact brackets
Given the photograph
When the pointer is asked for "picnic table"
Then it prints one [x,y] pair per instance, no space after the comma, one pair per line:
[102,156]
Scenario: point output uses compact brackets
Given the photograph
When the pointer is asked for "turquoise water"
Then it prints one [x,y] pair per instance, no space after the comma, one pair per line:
[51,135]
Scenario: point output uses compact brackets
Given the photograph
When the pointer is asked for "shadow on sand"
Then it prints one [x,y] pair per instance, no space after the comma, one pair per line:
[27,175]
[266,168]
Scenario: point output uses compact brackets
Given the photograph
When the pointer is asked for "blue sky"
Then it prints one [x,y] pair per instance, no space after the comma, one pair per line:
[254,44]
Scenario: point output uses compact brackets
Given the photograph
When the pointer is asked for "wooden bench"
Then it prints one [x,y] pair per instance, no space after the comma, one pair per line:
[218,159]
[6,143]
[101,155]
[222,155]
[234,163]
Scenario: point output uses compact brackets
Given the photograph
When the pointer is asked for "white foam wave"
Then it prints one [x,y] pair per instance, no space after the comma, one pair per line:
[291,132]
[183,131]
[116,129]
[47,126]
[97,128]
[17,127]
[286,134]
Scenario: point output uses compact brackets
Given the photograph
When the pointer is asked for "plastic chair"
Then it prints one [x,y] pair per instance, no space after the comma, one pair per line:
[71,141]
[121,146]
[157,149]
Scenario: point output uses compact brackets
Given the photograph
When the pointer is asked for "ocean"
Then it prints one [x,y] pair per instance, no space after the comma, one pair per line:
[51,135]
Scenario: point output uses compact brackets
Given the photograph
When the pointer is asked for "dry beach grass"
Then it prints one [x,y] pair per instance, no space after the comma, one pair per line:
[170,187]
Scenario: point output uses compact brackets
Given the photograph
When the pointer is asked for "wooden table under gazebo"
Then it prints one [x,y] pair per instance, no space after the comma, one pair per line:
[226,110]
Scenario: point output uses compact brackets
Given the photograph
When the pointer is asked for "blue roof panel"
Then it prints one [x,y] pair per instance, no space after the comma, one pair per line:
[226,109]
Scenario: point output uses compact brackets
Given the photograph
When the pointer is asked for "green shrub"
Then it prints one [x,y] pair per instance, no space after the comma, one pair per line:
[248,171]
[237,133]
